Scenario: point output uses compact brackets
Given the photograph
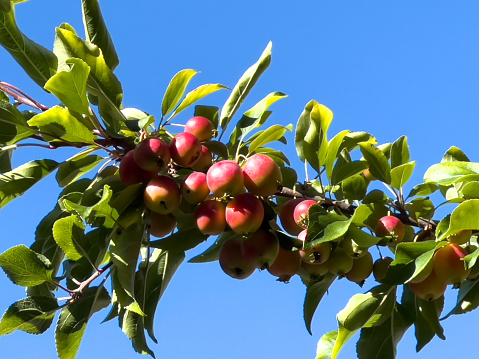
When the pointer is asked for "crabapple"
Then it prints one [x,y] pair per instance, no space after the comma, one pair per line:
[204,161]
[201,127]
[162,224]
[261,248]
[225,178]
[262,176]
[430,288]
[162,195]
[316,254]
[380,268]
[194,188]
[339,262]
[390,226]
[232,260]
[460,237]
[449,265]
[131,173]
[287,219]
[244,213]
[210,217]
[286,265]
[361,270]
[152,154]
[185,149]
[300,213]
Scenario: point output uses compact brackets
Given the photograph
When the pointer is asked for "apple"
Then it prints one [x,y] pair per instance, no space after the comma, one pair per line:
[131,173]
[339,262]
[317,254]
[201,127]
[261,248]
[262,176]
[225,178]
[204,161]
[390,226]
[300,213]
[449,265]
[361,270]
[185,149]
[194,188]
[244,213]
[162,195]
[430,288]
[380,268]
[210,217]
[152,154]
[286,265]
[287,219]
[162,224]
[232,261]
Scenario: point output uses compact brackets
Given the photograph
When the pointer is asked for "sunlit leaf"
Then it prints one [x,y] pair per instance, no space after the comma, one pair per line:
[273,133]
[196,95]
[378,162]
[446,173]
[176,89]
[325,346]
[401,174]
[399,152]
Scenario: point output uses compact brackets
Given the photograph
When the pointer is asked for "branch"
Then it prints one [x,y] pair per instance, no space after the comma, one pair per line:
[21,97]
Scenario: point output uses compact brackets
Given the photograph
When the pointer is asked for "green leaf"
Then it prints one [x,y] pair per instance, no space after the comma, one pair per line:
[325,226]
[368,215]
[176,89]
[16,182]
[423,189]
[74,318]
[181,241]
[315,291]
[210,112]
[59,123]
[196,95]
[454,154]
[32,315]
[69,233]
[132,324]
[399,152]
[11,121]
[97,32]
[380,342]
[333,152]
[401,174]
[354,187]
[244,86]
[24,267]
[274,133]
[212,253]
[162,265]
[343,171]
[462,217]
[467,298]
[6,161]
[70,86]
[378,162]
[75,167]
[326,344]
[446,173]
[125,250]
[39,63]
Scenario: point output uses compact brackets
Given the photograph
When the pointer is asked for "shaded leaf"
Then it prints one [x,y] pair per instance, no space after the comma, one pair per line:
[69,233]
[315,291]
[454,154]
[132,324]
[181,241]
[378,162]
[399,152]
[73,168]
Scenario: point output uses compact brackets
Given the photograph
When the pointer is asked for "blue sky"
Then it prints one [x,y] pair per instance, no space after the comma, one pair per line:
[388,68]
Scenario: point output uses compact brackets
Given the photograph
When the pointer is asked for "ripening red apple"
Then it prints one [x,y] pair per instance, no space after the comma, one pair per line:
[287,219]
[205,161]
[317,254]
[262,176]
[244,213]
[162,195]
[390,226]
[286,265]
[232,260]
[161,224]
[210,217]
[449,265]
[194,188]
[261,248]
[361,270]
[152,154]
[131,173]
[300,213]
[367,174]
[460,237]
[185,149]
[201,127]
[225,178]
[431,288]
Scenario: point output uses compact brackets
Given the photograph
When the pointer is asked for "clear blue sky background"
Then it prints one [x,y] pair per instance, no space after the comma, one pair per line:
[389,68]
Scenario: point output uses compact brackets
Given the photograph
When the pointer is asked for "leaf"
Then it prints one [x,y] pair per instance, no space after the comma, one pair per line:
[212,253]
[347,170]
[368,215]
[24,267]
[399,152]
[467,298]
[326,344]
[11,120]
[380,342]
[401,174]
[196,95]
[73,168]
[462,217]
[32,315]
[182,240]
[176,89]
[59,123]
[210,112]
[161,268]
[74,318]
[378,162]
[69,233]
[446,173]
[38,63]
[423,189]
[70,86]
[325,226]
[454,154]
[132,324]
[97,32]
[273,133]
[315,291]
[244,86]
[333,151]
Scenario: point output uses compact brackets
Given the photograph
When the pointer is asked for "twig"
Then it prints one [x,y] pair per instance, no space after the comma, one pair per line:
[21,97]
